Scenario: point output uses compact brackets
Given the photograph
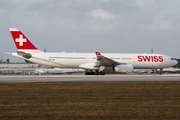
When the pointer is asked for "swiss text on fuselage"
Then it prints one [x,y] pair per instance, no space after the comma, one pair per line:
[150,58]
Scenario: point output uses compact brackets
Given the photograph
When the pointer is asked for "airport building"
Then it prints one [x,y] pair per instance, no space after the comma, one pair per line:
[14,68]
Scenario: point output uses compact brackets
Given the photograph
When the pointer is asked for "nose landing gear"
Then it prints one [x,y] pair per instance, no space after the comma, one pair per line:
[160,72]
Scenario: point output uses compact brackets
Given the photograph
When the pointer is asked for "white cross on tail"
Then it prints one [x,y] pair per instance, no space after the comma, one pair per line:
[21,40]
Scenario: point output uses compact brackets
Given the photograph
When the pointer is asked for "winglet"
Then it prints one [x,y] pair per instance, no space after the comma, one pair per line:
[97,53]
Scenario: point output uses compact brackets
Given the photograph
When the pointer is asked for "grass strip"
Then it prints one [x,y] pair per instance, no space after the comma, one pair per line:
[137,101]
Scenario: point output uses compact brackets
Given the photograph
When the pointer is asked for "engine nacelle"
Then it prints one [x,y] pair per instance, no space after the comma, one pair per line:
[124,68]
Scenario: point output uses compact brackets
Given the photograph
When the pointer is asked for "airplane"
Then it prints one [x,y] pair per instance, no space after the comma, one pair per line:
[57,71]
[141,71]
[170,70]
[97,63]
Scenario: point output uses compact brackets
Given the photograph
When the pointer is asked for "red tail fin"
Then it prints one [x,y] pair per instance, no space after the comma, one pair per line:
[21,41]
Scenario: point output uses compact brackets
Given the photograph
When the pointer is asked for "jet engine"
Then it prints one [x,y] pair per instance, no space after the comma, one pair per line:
[124,68]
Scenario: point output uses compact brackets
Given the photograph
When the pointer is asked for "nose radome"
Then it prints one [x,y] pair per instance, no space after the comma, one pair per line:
[175,62]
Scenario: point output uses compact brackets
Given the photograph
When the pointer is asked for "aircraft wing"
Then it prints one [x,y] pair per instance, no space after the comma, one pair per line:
[104,61]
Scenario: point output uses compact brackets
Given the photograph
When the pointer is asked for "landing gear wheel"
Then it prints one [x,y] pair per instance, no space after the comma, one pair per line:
[96,72]
[160,72]
[102,73]
[87,73]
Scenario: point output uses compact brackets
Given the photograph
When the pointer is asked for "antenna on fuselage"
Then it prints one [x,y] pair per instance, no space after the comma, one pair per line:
[44,49]
[151,50]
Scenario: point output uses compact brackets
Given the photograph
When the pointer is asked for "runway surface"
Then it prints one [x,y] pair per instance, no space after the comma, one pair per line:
[90,78]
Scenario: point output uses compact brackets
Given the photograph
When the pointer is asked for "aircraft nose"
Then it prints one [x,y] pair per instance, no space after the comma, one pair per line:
[175,62]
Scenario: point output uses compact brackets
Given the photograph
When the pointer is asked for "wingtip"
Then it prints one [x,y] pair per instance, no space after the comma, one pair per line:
[97,53]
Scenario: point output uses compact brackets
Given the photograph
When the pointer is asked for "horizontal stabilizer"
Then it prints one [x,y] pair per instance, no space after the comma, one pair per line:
[23,54]
[7,52]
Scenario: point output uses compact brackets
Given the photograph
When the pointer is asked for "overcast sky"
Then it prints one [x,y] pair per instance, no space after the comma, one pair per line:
[107,26]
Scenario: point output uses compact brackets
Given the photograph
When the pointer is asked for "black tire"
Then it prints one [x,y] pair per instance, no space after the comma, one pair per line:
[91,73]
[96,73]
[161,73]
[102,73]
[86,73]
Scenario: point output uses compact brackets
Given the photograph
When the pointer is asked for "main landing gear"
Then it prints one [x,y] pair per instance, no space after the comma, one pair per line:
[94,73]
[102,73]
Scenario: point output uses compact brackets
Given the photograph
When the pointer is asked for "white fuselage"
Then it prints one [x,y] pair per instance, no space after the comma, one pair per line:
[74,60]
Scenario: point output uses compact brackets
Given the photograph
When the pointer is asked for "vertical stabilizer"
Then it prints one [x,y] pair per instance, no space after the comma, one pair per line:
[21,41]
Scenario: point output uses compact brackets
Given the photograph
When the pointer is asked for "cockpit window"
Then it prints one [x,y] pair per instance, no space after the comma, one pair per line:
[172,58]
